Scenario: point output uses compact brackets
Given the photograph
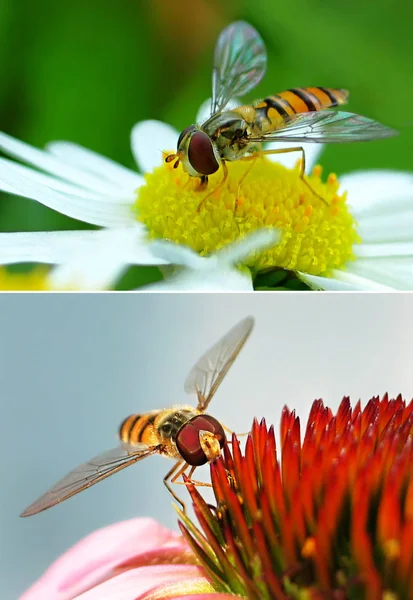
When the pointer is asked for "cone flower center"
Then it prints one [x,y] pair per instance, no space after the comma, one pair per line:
[317,236]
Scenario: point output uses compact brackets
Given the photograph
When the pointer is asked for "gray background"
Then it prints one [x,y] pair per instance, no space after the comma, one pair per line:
[73,366]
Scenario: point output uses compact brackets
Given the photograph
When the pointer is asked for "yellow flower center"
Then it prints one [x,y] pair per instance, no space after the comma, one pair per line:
[35,280]
[318,230]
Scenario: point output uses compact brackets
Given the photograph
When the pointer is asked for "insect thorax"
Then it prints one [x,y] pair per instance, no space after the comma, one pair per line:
[171,421]
[229,132]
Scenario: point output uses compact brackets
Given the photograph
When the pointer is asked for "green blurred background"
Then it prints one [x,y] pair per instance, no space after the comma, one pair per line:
[86,72]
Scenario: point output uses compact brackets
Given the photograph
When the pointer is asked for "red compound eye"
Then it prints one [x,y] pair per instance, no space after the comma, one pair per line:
[188,443]
[201,154]
[184,133]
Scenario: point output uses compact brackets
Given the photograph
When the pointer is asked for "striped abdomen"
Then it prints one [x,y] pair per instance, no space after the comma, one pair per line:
[139,429]
[273,110]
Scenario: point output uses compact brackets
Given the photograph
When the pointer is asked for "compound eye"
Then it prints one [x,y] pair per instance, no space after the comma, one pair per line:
[184,133]
[201,154]
[188,442]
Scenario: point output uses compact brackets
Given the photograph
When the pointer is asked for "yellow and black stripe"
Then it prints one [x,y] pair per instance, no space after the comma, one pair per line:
[301,100]
[139,429]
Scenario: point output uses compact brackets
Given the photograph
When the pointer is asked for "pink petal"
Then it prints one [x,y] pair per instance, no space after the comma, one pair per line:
[137,584]
[212,596]
[102,554]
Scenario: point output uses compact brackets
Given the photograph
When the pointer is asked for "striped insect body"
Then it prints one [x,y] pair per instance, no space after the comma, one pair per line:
[291,116]
[184,433]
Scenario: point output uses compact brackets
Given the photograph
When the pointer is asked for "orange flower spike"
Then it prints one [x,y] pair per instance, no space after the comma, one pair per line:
[369,415]
[389,519]
[237,462]
[343,415]
[234,509]
[259,436]
[289,467]
[309,447]
[328,524]
[250,480]
[291,457]
[287,422]
[287,542]
[298,516]
[272,581]
[307,497]
[406,538]
[272,482]
[361,543]
[229,462]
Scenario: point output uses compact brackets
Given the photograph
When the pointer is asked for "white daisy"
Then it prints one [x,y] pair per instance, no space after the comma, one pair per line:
[363,241]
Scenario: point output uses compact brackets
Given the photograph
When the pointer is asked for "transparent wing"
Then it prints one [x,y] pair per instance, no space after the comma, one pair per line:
[205,377]
[89,473]
[327,126]
[240,60]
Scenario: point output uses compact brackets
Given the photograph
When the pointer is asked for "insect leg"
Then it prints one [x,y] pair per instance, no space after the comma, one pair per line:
[253,158]
[230,431]
[196,483]
[302,169]
[179,466]
[225,168]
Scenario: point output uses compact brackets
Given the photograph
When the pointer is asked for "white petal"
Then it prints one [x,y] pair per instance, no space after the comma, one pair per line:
[289,160]
[97,270]
[341,281]
[395,226]
[221,279]
[45,161]
[257,241]
[149,139]
[204,111]
[102,166]
[104,212]
[399,249]
[232,254]
[394,272]
[377,192]
[215,272]
[52,182]
[128,245]
[177,254]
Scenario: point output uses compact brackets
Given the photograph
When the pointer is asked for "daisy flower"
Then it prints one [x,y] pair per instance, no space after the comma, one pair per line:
[356,239]
[331,517]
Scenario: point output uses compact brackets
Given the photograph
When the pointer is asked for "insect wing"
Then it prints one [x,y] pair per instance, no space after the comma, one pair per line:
[205,377]
[89,473]
[327,126]
[240,61]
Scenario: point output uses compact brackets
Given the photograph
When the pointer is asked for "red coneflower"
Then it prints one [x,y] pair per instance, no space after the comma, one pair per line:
[332,518]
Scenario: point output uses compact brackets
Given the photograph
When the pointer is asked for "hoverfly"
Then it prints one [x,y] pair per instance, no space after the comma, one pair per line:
[292,116]
[182,432]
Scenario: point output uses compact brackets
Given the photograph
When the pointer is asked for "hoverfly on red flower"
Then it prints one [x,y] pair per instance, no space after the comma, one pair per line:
[182,432]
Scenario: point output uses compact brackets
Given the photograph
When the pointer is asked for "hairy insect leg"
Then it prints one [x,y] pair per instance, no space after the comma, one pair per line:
[230,431]
[178,469]
[225,177]
[254,159]
[193,481]
[302,169]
